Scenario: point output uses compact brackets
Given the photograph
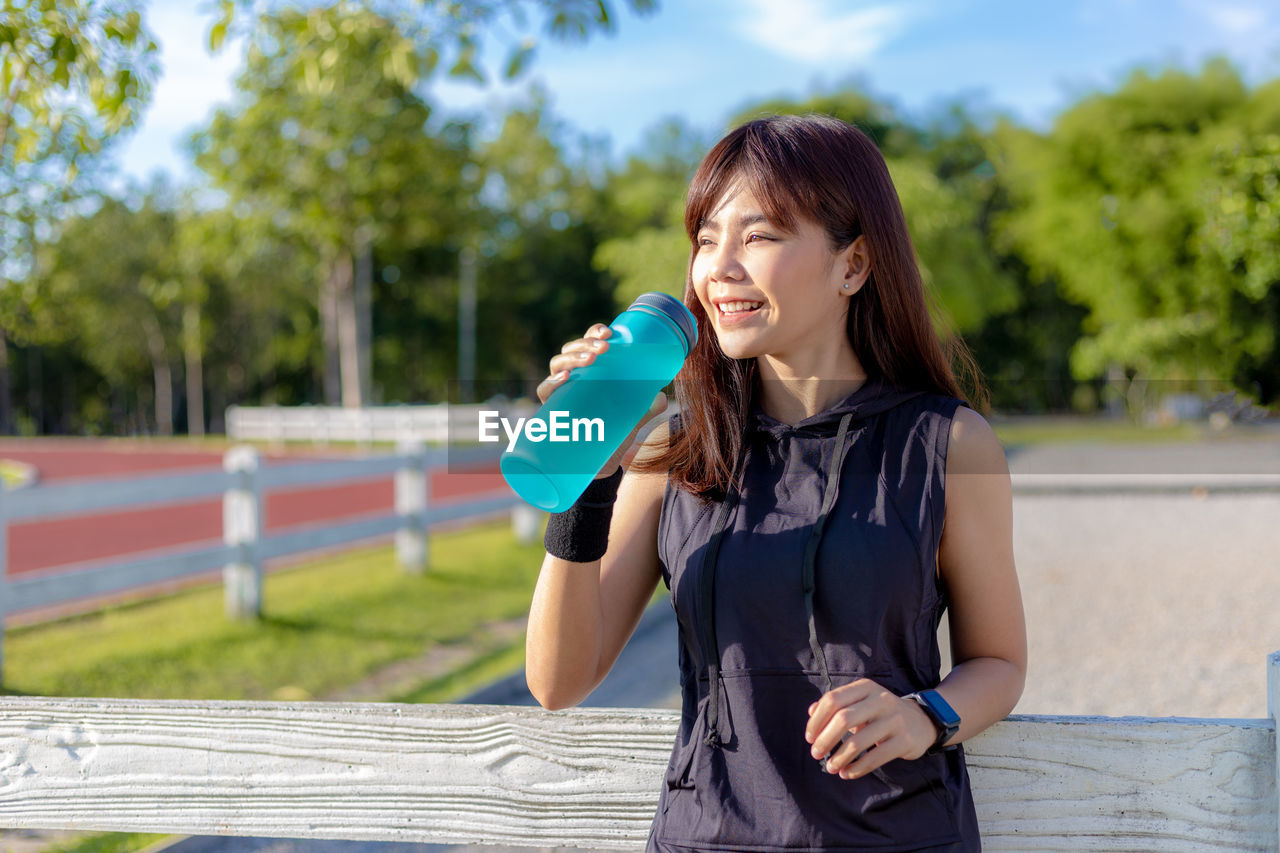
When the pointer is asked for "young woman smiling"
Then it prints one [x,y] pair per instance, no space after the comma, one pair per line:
[824,494]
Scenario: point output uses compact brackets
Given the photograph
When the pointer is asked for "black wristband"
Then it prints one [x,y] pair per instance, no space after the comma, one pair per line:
[580,534]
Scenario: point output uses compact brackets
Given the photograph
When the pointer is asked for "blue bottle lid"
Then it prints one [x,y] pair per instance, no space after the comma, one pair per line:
[673,309]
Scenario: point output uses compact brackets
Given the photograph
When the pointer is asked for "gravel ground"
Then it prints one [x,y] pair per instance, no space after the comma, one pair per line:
[1153,605]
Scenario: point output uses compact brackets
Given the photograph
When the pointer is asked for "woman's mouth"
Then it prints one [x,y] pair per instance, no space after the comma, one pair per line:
[734,313]
[735,308]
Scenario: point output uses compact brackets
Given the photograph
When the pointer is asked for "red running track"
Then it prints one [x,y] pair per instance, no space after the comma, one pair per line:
[42,544]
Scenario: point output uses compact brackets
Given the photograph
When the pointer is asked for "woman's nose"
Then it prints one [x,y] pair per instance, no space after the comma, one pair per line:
[725,264]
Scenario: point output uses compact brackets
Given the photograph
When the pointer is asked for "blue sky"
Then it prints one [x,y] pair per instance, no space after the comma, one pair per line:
[704,59]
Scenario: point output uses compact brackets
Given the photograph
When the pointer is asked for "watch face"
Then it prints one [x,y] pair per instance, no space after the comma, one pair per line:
[939,706]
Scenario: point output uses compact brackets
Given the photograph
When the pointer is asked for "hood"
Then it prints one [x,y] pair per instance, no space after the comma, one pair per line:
[872,397]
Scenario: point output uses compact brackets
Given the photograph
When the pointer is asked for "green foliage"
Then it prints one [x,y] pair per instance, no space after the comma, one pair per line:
[330,144]
[540,213]
[110,277]
[328,136]
[648,248]
[73,74]
[1140,231]
[113,842]
[257,332]
[455,31]
[1238,237]
[943,217]
[109,284]
[1118,204]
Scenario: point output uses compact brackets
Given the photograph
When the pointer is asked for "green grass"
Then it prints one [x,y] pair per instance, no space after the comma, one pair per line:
[1053,430]
[325,625]
[471,676]
[111,842]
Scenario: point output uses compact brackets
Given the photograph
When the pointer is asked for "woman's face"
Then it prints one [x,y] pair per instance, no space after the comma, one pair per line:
[769,291]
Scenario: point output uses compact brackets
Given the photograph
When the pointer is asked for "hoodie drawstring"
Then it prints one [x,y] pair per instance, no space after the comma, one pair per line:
[706,590]
[706,602]
[838,454]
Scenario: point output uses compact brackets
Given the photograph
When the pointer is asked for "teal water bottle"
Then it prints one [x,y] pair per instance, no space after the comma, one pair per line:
[558,451]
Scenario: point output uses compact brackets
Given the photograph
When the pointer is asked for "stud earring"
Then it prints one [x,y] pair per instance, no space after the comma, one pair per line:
[846,285]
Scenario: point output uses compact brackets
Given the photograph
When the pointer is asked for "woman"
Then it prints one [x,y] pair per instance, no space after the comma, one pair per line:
[822,496]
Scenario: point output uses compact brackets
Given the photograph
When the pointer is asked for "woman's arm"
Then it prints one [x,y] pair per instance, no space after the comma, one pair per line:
[988,629]
[582,614]
[975,559]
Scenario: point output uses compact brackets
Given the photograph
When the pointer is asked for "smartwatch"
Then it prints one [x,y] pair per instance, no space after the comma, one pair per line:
[943,715]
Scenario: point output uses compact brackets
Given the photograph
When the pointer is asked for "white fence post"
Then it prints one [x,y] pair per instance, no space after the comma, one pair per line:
[242,527]
[1273,711]
[525,520]
[411,506]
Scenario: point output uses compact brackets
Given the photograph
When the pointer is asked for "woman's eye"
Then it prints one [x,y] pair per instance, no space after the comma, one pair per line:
[751,237]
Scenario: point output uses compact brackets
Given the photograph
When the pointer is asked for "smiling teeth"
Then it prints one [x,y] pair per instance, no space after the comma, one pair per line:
[738,307]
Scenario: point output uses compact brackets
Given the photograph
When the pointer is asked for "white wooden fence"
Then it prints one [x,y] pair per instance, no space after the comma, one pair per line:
[486,774]
[244,547]
[433,424]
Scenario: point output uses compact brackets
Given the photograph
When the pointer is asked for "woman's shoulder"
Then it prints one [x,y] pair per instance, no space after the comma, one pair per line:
[974,445]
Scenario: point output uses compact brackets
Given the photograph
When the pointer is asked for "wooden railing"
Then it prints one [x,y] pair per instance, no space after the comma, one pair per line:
[589,778]
[440,423]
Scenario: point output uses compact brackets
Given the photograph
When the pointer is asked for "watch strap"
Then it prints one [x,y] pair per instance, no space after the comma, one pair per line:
[944,731]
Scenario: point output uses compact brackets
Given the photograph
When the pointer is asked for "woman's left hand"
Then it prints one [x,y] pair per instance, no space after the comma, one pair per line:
[884,726]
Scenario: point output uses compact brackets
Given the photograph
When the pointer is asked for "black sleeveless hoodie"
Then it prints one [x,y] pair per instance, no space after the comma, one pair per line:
[822,570]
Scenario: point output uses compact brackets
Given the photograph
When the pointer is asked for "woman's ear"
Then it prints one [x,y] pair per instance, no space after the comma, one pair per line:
[855,261]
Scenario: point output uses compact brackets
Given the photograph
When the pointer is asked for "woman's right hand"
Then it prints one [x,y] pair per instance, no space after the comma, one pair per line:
[580,353]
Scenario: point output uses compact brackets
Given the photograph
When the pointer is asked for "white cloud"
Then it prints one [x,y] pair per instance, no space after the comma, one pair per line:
[192,80]
[191,84]
[1237,19]
[819,32]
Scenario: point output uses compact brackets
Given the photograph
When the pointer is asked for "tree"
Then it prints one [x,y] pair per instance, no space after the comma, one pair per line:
[1116,203]
[73,75]
[417,36]
[455,30]
[248,320]
[109,280]
[331,144]
[539,218]
[1239,235]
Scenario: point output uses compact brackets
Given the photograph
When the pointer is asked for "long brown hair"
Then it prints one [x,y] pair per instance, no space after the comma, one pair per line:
[830,172]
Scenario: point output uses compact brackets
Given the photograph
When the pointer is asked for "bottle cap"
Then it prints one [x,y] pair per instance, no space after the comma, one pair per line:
[674,310]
